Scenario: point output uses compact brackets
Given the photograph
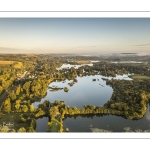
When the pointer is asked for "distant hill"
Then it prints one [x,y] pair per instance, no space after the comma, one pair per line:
[129,53]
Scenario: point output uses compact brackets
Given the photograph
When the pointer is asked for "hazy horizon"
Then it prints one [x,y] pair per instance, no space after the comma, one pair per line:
[75,35]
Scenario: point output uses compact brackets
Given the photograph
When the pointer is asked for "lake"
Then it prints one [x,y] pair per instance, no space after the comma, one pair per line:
[87,91]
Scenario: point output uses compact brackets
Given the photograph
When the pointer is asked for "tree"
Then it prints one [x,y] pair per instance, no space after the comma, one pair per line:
[7,105]
[4,129]
[30,129]
[31,108]
[22,119]
[1,89]
[67,129]
[12,95]
[40,113]
[66,89]
[22,129]
[18,90]
[17,105]
[26,87]
[72,69]
[25,108]
[33,123]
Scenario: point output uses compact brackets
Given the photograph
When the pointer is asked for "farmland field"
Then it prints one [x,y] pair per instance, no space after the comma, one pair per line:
[140,77]
[6,62]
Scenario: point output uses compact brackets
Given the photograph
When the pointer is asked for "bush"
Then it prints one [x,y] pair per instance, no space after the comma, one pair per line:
[67,129]
[66,89]
[22,129]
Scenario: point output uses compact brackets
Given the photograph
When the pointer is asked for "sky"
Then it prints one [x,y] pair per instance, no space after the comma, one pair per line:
[74,35]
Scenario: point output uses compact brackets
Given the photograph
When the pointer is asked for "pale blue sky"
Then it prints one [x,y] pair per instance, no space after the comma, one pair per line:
[74,35]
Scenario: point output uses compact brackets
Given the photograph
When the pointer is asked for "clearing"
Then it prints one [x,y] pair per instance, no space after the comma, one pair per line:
[137,76]
[6,62]
[79,62]
[16,64]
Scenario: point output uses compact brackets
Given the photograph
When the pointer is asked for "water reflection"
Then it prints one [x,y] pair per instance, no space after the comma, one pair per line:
[108,123]
[99,130]
[85,91]
[99,123]
[147,115]
[41,124]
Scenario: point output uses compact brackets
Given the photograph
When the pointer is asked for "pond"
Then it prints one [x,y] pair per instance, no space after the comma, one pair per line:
[107,123]
[99,123]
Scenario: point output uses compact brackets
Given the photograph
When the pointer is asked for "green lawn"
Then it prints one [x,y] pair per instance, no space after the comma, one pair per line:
[54,125]
[136,76]
[80,62]
[13,118]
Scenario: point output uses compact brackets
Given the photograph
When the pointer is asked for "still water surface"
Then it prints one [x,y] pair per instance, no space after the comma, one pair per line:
[95,123]
[87,91]
[108,123]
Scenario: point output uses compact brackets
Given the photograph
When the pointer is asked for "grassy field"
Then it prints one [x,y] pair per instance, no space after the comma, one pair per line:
[18,65]
[136,76]
[13,118]
[83,62]
[6,62]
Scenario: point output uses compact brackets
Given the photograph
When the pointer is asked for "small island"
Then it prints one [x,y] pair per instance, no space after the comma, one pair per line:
[66,89]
